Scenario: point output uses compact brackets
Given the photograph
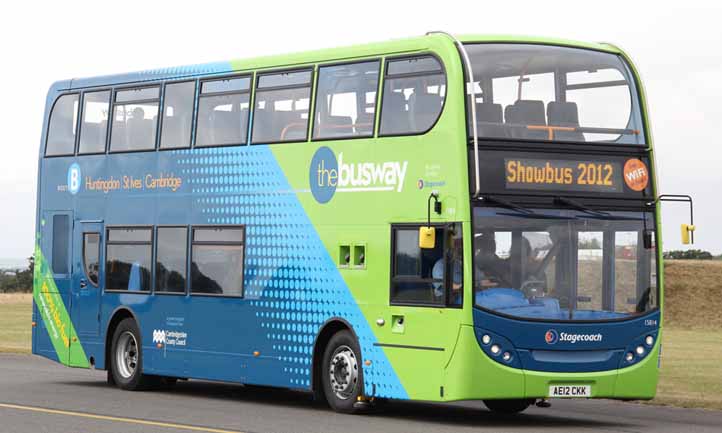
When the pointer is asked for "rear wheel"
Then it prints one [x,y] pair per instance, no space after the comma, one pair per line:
[508,406]
[342,376]
[126,359]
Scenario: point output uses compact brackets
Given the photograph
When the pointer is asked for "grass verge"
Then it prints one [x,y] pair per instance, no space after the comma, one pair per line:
[691,374]
[15,317]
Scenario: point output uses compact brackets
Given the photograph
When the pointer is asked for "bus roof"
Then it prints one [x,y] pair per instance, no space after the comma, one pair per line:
[397,46]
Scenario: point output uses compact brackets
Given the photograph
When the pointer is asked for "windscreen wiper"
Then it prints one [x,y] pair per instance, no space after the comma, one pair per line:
[594,213]
[507,204]
[580,207]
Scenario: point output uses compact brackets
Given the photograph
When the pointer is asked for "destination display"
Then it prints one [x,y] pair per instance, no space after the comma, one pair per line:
[562,175]
[559,173]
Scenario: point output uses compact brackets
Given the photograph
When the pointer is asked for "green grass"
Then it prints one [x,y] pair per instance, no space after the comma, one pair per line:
[15,323]
[691,374]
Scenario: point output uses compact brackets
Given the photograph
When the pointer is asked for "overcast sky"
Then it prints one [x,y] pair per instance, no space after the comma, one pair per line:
[678,50]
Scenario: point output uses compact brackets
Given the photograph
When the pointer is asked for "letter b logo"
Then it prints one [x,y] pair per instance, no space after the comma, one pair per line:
[74,178]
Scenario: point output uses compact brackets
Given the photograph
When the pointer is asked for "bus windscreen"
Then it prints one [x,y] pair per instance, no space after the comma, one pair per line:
[537,92]
[561,265]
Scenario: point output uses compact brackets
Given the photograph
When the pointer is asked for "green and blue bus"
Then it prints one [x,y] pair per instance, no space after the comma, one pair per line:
[433,219]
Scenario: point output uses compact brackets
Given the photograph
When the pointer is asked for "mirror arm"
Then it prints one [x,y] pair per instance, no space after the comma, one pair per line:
[684,198]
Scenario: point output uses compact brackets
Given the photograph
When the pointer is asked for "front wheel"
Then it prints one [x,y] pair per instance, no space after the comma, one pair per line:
[508,406]
[342,372]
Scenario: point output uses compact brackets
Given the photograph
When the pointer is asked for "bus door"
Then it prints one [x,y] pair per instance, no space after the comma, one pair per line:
[422,323]
[52,285]
[87,280]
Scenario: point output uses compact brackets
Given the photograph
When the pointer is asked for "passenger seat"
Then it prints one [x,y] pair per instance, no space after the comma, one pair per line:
[564,114]
[394,116]
[489,120]
[425,108]
[526,112]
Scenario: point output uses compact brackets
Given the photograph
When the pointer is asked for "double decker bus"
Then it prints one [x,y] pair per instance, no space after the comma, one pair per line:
[433,219]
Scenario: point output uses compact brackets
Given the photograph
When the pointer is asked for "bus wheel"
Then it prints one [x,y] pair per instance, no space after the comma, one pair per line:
[342,372]
[126,360]
[510,406]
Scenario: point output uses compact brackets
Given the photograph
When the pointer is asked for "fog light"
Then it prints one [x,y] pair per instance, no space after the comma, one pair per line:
[506,356]
[640,350]
[629,357]
[649,340]
[486,339]
[495,349]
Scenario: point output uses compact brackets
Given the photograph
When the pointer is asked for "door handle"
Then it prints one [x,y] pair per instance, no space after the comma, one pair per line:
[83,284]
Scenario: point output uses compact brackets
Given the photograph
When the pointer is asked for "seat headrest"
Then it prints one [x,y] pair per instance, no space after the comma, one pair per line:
[529,112]
[488,112]
[563,113]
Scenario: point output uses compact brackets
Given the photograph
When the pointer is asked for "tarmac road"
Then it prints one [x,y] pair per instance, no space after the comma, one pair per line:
[37,395]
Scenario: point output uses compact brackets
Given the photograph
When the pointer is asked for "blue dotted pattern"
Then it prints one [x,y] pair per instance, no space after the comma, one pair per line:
[155,74]
[291,281]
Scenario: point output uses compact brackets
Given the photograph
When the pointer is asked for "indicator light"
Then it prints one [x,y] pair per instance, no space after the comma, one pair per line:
[506,356]
[629,357]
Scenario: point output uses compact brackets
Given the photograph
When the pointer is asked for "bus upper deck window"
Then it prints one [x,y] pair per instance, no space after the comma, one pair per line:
[177,115]
[135,119]
[223,108]
[63,124]
[94,126]
[346,100]
[281,107]
[414,91]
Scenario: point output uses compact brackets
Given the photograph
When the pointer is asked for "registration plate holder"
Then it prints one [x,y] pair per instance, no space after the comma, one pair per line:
[561,390]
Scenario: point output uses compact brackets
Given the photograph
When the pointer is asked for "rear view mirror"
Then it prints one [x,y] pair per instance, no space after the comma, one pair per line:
[687,233]
[427,237]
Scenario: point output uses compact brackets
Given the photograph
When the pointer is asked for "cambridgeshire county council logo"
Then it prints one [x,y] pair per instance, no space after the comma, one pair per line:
[74,178]
[551,336]
[328,174]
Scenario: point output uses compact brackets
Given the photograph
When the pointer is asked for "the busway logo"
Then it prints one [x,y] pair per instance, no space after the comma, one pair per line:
[327,174]
[74,178]
[551,337]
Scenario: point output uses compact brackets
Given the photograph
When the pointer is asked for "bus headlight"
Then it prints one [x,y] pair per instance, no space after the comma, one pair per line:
[495,349]
[649,341]
[506,356]
[640,350]
[629,357]
[486,339]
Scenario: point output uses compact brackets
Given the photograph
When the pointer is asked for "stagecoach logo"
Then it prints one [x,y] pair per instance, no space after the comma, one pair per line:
[327,175]
[169,338]
[551,337]
[74,178]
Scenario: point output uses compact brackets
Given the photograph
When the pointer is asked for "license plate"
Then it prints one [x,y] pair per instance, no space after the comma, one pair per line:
[570,391]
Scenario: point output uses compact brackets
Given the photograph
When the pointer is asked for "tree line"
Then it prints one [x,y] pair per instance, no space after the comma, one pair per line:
[18,281]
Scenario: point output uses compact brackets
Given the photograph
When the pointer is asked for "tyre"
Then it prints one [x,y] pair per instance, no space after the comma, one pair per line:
[126,358]
[511,406]
[342,372]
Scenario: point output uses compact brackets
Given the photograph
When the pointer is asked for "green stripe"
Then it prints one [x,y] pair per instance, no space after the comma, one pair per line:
[55,316]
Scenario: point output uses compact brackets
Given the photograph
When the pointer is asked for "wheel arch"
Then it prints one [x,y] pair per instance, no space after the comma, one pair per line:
[327,330]
[119,314]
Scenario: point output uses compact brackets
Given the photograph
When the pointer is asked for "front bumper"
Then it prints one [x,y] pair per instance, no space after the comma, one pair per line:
[472,375]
